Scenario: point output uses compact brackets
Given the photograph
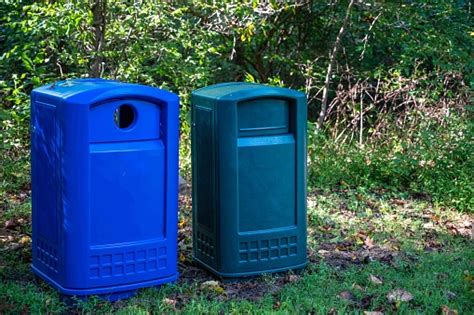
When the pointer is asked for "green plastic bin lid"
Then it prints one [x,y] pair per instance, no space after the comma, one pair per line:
[244,90]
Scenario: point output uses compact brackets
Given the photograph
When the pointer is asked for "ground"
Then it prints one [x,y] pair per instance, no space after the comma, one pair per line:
[369,251]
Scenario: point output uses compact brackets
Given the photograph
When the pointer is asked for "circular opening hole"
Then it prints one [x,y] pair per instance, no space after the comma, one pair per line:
[124,116]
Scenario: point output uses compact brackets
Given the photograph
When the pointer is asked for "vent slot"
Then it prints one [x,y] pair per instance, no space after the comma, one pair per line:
[267,249]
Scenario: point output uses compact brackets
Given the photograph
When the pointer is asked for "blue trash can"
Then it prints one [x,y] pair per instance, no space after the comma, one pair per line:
[104,167]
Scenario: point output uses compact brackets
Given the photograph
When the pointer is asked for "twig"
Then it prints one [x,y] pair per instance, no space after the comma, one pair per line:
[60,69]
[361,128]
[366,38]
[122,53]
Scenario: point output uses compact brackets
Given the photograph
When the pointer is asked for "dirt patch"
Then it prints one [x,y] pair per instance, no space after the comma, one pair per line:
[330,254]
[251,289]
[191,273]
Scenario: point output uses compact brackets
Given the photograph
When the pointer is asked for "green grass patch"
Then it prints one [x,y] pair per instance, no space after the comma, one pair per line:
[434,280]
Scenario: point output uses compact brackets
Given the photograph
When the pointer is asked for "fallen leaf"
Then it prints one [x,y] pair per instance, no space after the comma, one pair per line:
[325,228]
[277,305]
[210,283]
[169,302]
[12,246]
[293,278]
[445,310]
[182,223]
[375,279]
[348,296]
[450,295]
[24,240]
[399,295]
[213,286]
[369,242]
[399,202]
[11,224]
[358,287]
[428,226]
[466,223]
[373,313]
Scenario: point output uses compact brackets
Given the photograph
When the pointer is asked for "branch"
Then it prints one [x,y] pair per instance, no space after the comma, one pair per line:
[332,60]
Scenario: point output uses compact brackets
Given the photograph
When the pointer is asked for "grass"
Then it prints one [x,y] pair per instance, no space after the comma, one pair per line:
[408,244]
[432,280]
[421,278]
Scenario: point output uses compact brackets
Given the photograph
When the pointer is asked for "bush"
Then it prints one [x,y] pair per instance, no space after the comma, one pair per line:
[436,161]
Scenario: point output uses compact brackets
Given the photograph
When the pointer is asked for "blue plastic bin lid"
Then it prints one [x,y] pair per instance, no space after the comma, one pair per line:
[94,90]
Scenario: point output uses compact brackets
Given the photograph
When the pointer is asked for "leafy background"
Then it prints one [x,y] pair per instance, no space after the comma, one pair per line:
[389,168]
[406,66]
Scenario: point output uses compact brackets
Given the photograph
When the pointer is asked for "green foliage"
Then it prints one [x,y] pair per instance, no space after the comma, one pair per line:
[436,161]
[406,64]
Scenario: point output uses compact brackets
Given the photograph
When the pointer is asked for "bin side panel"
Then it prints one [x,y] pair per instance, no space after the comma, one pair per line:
[205,210]
[45,187]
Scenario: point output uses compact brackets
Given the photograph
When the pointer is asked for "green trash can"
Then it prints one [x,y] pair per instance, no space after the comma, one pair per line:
[249,179]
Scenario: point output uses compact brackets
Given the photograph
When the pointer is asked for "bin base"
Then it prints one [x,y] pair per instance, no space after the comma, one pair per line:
[237,275]
[112,293]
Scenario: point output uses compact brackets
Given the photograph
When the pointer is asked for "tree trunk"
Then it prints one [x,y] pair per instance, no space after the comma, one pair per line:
[98,8]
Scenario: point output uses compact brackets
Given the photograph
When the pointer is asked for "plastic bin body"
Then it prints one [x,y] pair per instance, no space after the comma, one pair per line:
[104,186]
[249,179]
